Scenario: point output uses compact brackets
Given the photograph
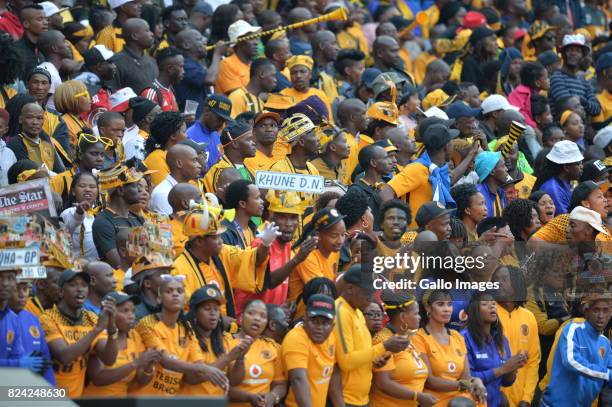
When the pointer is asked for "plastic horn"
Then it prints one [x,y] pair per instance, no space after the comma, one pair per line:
[336,15]
[420,19]
[516,130]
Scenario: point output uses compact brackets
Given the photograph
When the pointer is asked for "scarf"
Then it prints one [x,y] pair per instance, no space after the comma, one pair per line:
[439,178]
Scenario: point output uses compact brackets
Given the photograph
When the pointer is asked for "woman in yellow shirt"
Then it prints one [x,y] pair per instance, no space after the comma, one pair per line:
[134,364]
[471,207]
[402,379]
[167,129]
[264,382]
[72,99]
[445,353]
[207,323]
[170,332]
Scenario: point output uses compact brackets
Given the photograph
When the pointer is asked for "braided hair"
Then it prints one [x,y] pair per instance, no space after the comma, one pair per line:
[164,126]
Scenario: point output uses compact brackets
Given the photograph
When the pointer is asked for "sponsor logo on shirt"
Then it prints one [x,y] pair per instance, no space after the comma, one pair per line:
[524,329]
[452,367]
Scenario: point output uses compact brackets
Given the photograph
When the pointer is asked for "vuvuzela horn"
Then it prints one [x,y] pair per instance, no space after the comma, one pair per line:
[420,19]
[336,15]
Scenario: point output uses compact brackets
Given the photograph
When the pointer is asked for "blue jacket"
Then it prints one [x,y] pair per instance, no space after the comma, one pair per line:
[33,340]
[581,366]
[192,86]
[11,348]
[483,360]
[200,134]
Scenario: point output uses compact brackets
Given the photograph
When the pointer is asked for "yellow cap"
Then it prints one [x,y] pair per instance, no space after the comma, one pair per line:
[385,111]
[300,60]
[437,98]
[117,176]
[285,202]
[205,219]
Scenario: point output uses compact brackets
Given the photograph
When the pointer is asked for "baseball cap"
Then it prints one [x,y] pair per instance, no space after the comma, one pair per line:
[459,109]
[588,216]
[50,8]
[68,275]
[368,76]
[430,211]
[479,34]
[121,297]
[357,276]
[603,137]
[437,136]
[240,28]
[474,19]
[233,131]
[565,152]
[200,148]
[604,62]
[205,293]
[118,3]
[141,107]
[436,112]
[494,103]
[265,114]
[574,39]
[202,7]
[387,145]
[582,192]
[385,111]
[382,82]
[320,305]
[220,105]
[548,58]
[97,54]
[593,169]
[120,99]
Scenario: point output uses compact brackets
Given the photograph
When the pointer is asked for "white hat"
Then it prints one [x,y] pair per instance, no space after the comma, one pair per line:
[117,3]
[603,137]
[435,111]
[494,103]
[50,8]
[589,216]
[105,52]
[120,99]
[240,28]
[565,152]
[574,39]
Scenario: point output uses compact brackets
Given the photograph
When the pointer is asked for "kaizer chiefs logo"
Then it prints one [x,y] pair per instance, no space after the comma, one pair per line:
[34,331]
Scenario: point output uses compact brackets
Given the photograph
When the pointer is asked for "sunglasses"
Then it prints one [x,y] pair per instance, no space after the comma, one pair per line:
[84,94]
[92,138]
[179,278]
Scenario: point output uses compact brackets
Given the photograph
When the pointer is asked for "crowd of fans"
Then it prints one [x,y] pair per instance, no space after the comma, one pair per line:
[442,129]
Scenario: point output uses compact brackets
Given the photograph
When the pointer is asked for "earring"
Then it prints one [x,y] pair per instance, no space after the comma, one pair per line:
[404,327]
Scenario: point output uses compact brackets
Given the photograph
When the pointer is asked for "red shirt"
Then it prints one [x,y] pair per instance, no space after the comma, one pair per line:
[100,103]
[10,23]
[279,256]
[153,93]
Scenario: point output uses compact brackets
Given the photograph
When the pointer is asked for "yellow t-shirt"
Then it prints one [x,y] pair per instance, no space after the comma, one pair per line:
[315,265]
[243,101]
[407,369]
[262,162]
[178,237]
[299,352]
[351,162]
[413,180]
[520,328]
[135,346]
[61,182]
[10,92]
[262,366]
[328,172]
[239,265]
[605,101]
[57,326]
[355,353]
[233,74]
[208,388]
[211,179]
[156,160]
[175,342]
[447,361]
[112,38]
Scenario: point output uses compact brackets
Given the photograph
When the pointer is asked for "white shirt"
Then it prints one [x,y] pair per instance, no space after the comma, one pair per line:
[72,223]
[159,197]
[133,143]
[56,80]
[7,159]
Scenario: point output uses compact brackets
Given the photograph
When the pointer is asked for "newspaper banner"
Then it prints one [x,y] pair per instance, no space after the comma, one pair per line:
[28,198]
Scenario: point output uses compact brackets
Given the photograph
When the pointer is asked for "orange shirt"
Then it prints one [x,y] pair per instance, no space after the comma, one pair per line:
[413,180]
[262,162]
[315,265]
[233,74]
[299,352]
[178,237]
[156,160]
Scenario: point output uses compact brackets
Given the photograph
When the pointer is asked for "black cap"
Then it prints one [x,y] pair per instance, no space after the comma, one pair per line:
[593,169]
[39,71]
[93,57]
[548,58]
[326,218]
[200,148]
[220,105]
[437,136]
[429,211]
[582,192]
[479,34]
[120,298]
[208,292]
[358,276]
[235,129]
[320,305]
[68,275]
[429,121]
[141,107]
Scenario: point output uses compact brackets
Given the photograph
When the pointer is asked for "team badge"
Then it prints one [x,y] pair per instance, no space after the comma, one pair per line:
[327,370]
[452,367]
[34,331]
[266,354]
[255,371]
[602,352]
[211,292]
[10,336]
[524,330]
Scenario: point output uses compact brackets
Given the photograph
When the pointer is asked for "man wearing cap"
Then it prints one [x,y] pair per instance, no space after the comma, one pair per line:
[567,157]
[300,70]
[582,358]
[385,51]
[124,191]
[565,82]
[112,36]
[466,123]
[540,38]
[603,139]
[354,351]
[383,83]
[428,177]
[604,77]
[46,294]
[215,113]
[238,144]
[72,332]
[147,275]
[265,131]
[492,174]
[234,70]
[584,226]
[434,217]
[309,354]
[53,14]
[32,17]
[363,91]
[143,112]
[135,68]
[382,116]
[524,181]
[262,81]
[492,107]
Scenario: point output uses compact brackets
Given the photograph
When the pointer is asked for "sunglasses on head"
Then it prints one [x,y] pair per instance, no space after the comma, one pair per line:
[179,278]
[92,138]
